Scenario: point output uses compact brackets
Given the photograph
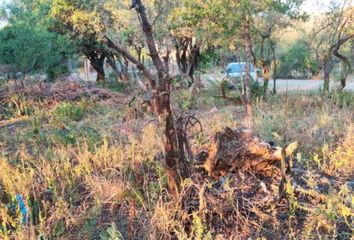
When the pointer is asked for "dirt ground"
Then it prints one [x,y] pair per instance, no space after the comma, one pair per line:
[303,85]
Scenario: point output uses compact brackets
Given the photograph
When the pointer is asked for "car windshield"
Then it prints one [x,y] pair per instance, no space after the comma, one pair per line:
[238,68]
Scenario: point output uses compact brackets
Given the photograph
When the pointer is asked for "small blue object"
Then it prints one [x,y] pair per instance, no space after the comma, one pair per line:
[22,208]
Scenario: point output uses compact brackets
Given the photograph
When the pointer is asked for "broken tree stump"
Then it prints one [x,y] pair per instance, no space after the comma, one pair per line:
[239,150]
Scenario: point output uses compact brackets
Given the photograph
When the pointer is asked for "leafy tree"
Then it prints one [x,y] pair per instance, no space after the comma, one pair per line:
[177,166]
[298,60]
[266,25]
[234,23]
[26,44]
[81,22]
[328,37]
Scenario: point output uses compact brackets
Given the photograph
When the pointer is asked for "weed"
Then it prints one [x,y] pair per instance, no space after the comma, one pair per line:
[67,112]
[185,100]
[113,86]
[111,233]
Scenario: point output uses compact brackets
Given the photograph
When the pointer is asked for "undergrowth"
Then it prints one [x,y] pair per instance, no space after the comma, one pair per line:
[84,173]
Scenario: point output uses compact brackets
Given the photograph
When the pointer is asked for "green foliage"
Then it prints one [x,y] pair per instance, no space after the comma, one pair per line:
[67,112]
[54,72]
[342,98]
[26,44]
[184,99]
[208,58]
[257,90]
[66,132]
[111,233]
[298,62]
[26,50]
[71,135]
[113,86]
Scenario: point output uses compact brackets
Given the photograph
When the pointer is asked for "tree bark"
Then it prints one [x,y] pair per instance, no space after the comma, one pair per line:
[266,77]
[327,71]
[347,68]
[275,70]
[97,62]
[248,50]
[112,63]
[175,162]
[101,75]
[174,157]
[187,56]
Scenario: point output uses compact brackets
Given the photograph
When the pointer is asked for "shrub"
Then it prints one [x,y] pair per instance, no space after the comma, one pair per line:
[298,62]
[185,99]
[55,72]
[113,86]
[67,112]
[71,135]
[341,98]
[257,90]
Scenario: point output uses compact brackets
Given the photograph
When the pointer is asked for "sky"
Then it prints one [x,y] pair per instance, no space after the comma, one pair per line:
[310,6]
[314,6]
[318,6]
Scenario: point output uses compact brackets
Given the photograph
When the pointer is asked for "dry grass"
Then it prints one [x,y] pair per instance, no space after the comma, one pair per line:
[110,183]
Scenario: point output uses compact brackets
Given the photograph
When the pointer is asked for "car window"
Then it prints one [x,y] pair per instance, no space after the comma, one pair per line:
[236,68]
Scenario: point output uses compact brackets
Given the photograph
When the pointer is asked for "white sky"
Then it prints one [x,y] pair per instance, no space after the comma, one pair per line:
[317,6]
[310,6]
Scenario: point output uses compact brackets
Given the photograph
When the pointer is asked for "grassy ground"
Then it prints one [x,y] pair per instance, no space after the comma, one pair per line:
[91,168]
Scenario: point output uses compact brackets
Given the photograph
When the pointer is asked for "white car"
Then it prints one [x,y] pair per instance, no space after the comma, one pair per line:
[238,69]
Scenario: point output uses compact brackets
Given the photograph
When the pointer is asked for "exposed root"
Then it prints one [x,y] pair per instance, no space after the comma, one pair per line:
[238,150]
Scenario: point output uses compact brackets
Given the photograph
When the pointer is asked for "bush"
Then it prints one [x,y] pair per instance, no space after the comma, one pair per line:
[342,98]
[71,135]
[67,112]
[298,62]
[257,90]
[56,72]
[185,99]
[113,86]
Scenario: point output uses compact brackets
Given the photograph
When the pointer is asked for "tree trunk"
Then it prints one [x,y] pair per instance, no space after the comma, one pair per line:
[327,71]
[266,77]
[101,76]
[347,68]
[176,164]
[112,63]
[166,60]
[187,63]
[193,61]
[174,159]
[275,70]
[97,62]
[326,81]
[265,63]
[248,50]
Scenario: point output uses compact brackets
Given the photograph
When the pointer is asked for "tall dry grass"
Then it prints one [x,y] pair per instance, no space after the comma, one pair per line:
[114,187]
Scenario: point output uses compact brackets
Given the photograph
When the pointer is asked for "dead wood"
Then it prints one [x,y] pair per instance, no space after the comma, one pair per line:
[60,91]
[239,150]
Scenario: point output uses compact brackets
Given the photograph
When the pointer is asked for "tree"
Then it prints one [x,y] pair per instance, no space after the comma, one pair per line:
[184,24]
[298,60]
[80,21]
[25,44]
[194,26]
[234,23]
[328,37]
[266,25]
[175,160]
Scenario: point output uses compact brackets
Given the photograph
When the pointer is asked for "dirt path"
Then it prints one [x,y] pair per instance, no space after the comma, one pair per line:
[209,80]
[303,85]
